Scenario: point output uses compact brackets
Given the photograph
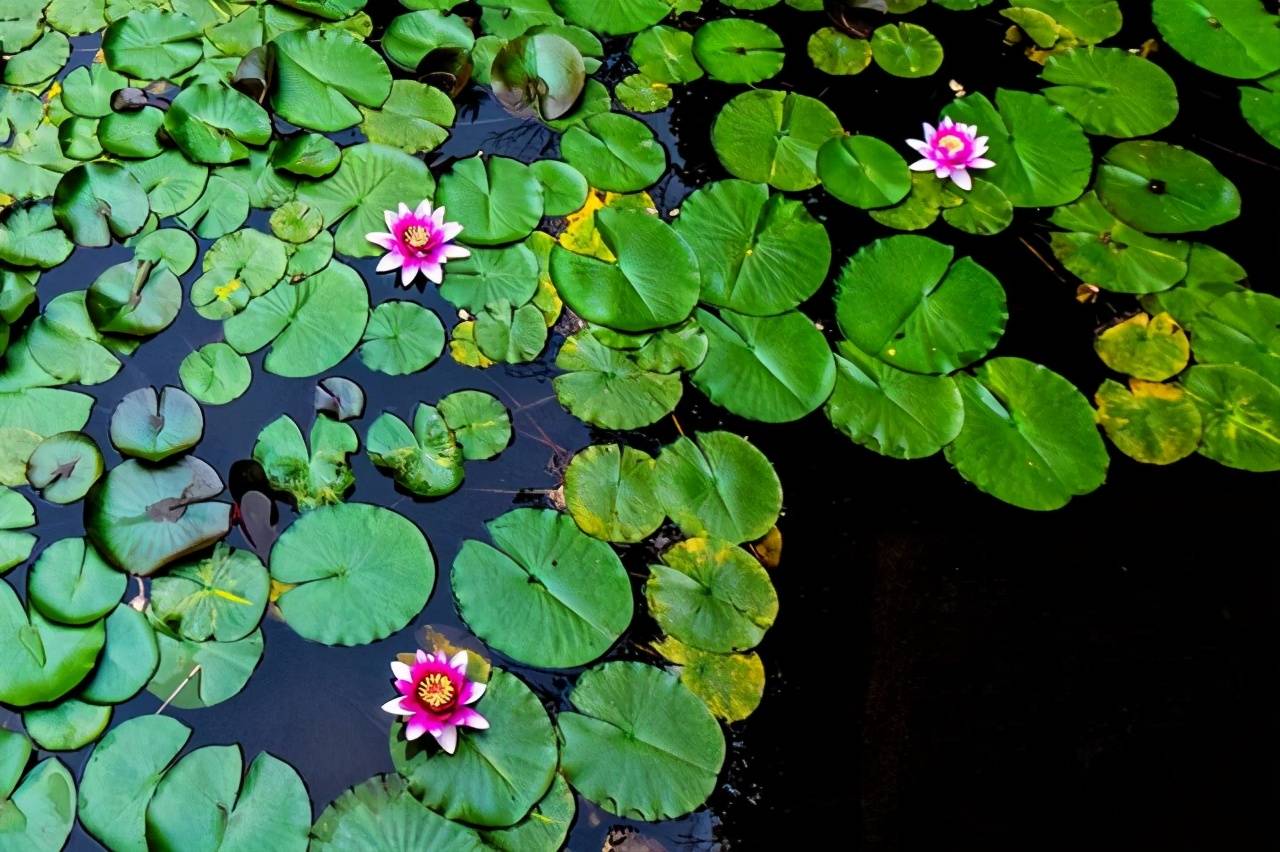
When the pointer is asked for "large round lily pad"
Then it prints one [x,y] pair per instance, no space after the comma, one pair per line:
[128,661]
[1112,91]
[355,573]
[547,594]
[1165,189]
[496,200]
[1241,415]
[640,745]
[382,814]
[495,775]
[154,426]
[774,137]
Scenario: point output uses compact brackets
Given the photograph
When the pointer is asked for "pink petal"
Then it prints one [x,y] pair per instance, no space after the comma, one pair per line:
[404,687]
[448,738]
[922,166]
[942,171]
[422,656]
[961,178]
[394,706]
[472,691]
[468,718]
[390,260]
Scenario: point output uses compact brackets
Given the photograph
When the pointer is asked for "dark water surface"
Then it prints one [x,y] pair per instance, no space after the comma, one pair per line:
[946,671]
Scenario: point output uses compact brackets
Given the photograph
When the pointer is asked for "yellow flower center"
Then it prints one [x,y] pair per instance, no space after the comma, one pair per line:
[951,144]
[224,292]
[416,236]
[435,690]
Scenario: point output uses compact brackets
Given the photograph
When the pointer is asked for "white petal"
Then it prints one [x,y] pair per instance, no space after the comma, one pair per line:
[411,733]
[450,229]
[922,166]
[438,215]
[456,252]
[942,171]
[407,274]
[390,217]
[422,656]
[459,660]
[393,706]
[424,209]
[389,262]
[918,146]
[477,690]
[448,738]
[960,178]
[399,669]
[404,209]
[980,163]
[929,132]
[434,272]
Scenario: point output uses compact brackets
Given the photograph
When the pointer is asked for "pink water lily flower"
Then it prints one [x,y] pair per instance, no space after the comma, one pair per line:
[950,151]
[435,692]
[418,241]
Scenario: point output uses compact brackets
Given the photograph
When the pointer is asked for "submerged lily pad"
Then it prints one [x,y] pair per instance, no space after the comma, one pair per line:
[142,518]
[221,596]
[355,573]
[496,775]
[640,745]
[547,595]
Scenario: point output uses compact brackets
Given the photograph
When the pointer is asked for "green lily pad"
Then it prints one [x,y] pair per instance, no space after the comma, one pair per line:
[479,422]
[412,37]
[863,171]
[16,513]
[121,776]
[756,253]
[1235,38]
[773,137]
[496,775]
[617,18]
[1112,92]
[320,476]
[236,268]
[213,123]
[665,54]
[371,180]
[890,411]
[40,806]
[356,573]
[132,134]
[614,152]
[773,369]
[296,222]
[193,675]
[67,725]
[1260,106]
[489,276]
[311,325]
[654,282]
[738,50]
[906,50]
[609,388]
[1150,422]
[215,374]
[414,119]
[711,595]
[152,44]
[30,236]
[638,93]
[903,300]
[87,90]
[72,584]
[173,185]
[641,745]
[731,685]
[1029,436]
[95,201]
[547,595]
[833,52]
[496,201]
[382,814]
[45,660]
[39,62]
[986,210]
[718,485]
[141,518]
[544,827]
[308,154]
[564,189]
[1165,189]
[1042,156]
[1089,21]
[401,338]
[321,77]
[221,596]
[64,467]
[426,460]
[137,298]
[1103,250]
[1241,328]
[1240,412]
[222,207]
[612,493]
[128,660]
[1144,347]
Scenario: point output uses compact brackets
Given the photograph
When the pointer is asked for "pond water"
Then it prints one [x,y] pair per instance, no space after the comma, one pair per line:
[943,665]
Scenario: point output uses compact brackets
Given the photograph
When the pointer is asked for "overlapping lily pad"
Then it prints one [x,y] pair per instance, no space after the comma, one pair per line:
[425,459]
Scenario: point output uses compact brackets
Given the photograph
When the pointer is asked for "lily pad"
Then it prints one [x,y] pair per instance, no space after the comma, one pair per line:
[612,493]
[641,745]
[426,460]
[401,338]
[1103,250]
[609,388]
[731,685]
[173,185]
[617,18]
[1150,422]
[654,282]
[193,675]
[712,595]
[1235,38]
[1144,347]
[213,123]
[1029,436]
[491,275]
[30,236]
[152,44]
[756,253]
[221,596]
[1165,189]
[614,152]
[564,189]
[342,398]
[833,52]
[72,584]
[128,660]
[39,62]
[414,119]
[773,137]
[64,467]
[1240,412]
[906,50]
[1241,328]
[215,374]
[496,201]
[320,476]
[96,201]
[547,595]
[479,422]
[309,154]
[863,171]
[545,827]
[539,72]
[1112,92]
[16,513]
[665,54]
[136,298]
[890,411]
[321,77]
[45,660]
[382,814]
[738,50]
[141,518]
[236,268]
[718,485]
[496,775]
[773,369]
[67,725]
[903,300]
[356,573]
[40,808]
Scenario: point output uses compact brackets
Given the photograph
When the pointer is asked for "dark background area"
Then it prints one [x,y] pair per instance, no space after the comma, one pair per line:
[946,671]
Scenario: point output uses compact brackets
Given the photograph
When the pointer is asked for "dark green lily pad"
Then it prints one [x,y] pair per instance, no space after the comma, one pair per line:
[773,137]
[193,675]
[479,421]
[496,200]
[96,201]
[401,338]
[45,660]
[128,660]
[1165,189]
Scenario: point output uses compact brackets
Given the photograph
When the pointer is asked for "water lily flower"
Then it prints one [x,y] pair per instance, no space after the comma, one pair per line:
[950,151]
[435,692]
[418,241]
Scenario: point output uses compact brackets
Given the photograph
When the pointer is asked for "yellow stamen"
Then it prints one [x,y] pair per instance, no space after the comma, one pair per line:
[435,690]
[416,236]
[951,144]
[224,292]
